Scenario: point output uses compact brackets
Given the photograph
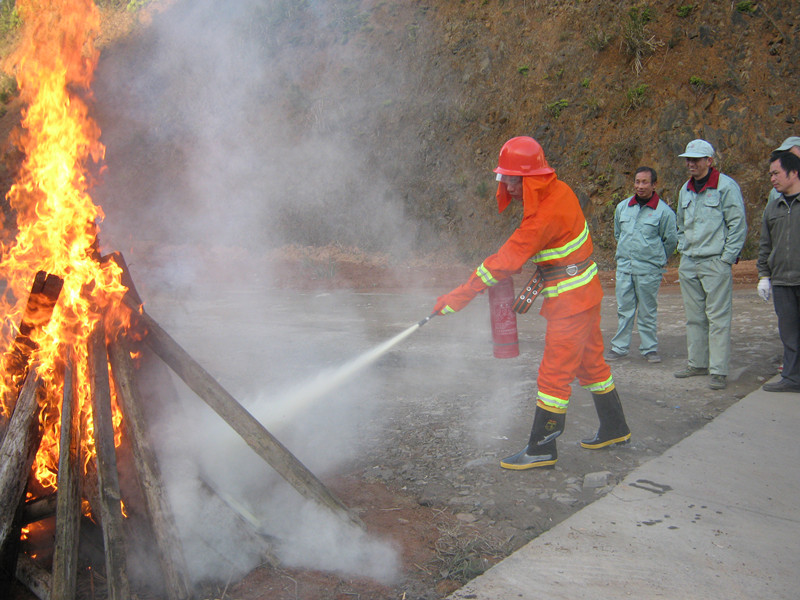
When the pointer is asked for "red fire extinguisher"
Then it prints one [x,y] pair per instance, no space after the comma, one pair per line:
[504,319]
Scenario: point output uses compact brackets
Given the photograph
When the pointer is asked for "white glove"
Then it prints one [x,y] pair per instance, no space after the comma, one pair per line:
[764,288]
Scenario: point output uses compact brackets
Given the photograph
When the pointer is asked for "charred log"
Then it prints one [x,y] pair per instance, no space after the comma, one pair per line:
[108,481]
[39,508]
[38,310]
[16,458]
[36,578]
[68,505]
[151,482]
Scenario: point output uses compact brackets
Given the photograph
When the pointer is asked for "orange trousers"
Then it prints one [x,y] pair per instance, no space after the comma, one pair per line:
[573,347]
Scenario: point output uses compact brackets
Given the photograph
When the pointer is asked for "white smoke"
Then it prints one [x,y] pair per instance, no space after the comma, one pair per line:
[203,119]
[225,142]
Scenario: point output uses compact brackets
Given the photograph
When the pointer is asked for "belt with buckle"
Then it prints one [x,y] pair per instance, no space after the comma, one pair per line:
[530,291]
[554,272]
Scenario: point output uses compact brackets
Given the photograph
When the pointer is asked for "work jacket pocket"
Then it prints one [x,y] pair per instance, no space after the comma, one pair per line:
[777,220]
[711,199]
[648,232]
[650,222]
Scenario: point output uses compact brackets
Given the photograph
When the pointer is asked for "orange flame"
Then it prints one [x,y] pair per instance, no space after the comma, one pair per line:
[57,222]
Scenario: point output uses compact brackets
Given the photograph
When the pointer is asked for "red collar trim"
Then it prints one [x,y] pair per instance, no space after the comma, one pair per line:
[652,203]
[712,183]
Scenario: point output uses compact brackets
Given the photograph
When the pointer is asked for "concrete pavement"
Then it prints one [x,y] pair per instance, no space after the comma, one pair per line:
[716,516]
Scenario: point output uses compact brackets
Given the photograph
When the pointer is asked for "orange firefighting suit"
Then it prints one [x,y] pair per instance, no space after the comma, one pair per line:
[554,235]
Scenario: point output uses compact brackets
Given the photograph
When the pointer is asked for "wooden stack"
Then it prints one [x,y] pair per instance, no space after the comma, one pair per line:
[20,441]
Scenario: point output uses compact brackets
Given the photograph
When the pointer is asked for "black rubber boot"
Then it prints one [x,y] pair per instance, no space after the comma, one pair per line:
[541,449]
[613,428]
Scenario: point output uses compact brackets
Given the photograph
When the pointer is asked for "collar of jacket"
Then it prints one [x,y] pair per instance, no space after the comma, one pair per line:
[789,200]
[530,188]
[652,203]
[711,183]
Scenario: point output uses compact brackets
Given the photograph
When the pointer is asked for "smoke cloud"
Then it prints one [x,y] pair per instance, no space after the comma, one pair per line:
[229,134]
[217,133]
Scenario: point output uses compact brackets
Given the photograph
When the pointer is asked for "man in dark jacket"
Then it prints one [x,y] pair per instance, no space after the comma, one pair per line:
[790,144]
[779,264]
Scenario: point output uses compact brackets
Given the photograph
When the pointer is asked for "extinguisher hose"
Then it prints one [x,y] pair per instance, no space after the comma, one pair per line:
[426,319]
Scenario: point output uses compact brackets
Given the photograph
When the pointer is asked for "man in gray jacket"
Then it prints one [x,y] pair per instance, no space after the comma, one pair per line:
[711,235]
[790,144]
[644,227]
[779,263]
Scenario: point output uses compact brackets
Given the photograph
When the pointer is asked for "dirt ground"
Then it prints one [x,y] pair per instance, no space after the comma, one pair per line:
[449,506]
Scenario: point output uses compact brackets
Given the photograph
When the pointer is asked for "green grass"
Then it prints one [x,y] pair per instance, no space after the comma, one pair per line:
[637,40]
[136,5]
[637,95]
[598,39]
[10,20]
[699,85]
[8,88]
[555,108]
[9,17]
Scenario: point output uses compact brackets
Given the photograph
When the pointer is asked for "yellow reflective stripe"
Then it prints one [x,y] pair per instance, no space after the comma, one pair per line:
[609,388]
[570,284]
[601,387]
[447,310]
[565,250]
[485,275]
[551,403]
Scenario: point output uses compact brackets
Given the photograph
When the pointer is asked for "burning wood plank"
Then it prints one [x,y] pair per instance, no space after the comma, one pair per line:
[68,505]
[38,310]
[107,476]
[106,499]
[148,473]
[16,458]
[39,508]
[167,540]
[233,413]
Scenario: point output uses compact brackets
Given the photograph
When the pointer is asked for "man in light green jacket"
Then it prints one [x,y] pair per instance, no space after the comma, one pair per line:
[711,234]
[644,227]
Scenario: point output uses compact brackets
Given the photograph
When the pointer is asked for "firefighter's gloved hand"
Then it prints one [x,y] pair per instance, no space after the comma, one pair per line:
[455,300]
[764,288]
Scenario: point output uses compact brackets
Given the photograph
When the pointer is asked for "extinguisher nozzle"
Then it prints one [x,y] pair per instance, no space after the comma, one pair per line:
[426,319]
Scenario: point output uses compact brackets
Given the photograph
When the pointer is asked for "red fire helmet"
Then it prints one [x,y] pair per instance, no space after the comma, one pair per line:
[522,156]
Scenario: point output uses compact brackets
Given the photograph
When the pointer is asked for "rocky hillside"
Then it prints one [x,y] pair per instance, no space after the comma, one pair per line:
[427,92]
[605,87]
